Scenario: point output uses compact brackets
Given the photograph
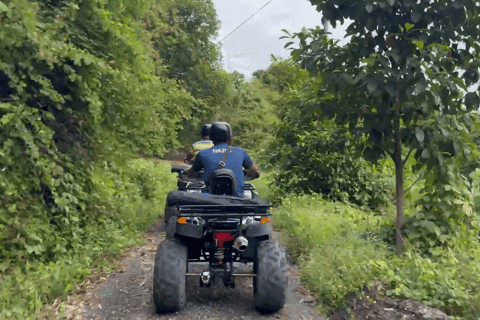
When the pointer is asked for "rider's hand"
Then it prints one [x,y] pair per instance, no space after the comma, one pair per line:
[253,172]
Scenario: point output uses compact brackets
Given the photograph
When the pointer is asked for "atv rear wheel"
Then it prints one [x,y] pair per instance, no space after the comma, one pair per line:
[169,276]
[270,284]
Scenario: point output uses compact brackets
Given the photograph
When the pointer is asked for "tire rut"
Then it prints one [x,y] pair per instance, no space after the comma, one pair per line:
[127,293]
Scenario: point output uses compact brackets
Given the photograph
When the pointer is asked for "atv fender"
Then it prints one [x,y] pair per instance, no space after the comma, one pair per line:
[190,230]
[257,229]
[254,233]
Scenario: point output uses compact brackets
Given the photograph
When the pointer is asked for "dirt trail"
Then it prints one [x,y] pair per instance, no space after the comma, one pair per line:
[127,294]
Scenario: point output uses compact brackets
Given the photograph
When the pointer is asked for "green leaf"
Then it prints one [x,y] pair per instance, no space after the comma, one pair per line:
[456,147]
[472,101]
[391,2]
[409,26]
[369,8]
[372,86]
[419,44]
[390,90]
[437,230]
[3,7]
[420,134]
[416,16]
[425,154]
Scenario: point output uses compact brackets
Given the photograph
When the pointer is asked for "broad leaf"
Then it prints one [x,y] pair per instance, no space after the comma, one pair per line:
[420,134]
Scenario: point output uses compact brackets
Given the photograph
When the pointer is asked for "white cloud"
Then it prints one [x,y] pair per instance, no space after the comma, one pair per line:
[257,39]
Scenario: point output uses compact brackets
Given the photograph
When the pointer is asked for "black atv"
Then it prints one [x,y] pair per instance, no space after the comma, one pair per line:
[219,230]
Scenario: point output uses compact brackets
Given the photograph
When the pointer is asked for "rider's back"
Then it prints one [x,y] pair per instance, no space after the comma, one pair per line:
[236,160]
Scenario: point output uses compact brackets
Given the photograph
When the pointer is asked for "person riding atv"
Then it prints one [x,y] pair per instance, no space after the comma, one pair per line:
[216,231]
[223,156]
[205,143]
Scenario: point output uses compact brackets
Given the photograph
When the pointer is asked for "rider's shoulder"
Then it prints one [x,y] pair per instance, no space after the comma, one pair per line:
[240,149]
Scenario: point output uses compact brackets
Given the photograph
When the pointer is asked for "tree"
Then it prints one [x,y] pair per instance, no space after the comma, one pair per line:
[185,37]
[400,72]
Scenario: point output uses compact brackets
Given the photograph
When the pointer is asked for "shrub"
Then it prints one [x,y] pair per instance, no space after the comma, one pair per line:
[340,249]
[118,212]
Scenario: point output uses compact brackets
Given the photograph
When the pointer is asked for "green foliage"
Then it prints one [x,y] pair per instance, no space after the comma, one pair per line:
[65,106]
[313,156]
[333,244]
[82,91]
[444,212]
[183,34]
[281,74]
[399,73]
[449,281]
[251,110]
[340,250]
[124,202]
[185,30]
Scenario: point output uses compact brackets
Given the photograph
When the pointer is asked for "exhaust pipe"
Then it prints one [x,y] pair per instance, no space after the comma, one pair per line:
[241,243]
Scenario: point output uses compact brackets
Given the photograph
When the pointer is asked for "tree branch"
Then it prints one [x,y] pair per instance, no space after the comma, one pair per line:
[386,150]
[408,156]
[418,178]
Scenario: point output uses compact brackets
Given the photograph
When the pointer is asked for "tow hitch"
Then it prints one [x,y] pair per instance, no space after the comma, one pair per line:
[205,279]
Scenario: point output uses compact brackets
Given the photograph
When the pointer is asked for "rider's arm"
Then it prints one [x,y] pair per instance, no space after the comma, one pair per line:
[252,168]
[190,154]
[195,168]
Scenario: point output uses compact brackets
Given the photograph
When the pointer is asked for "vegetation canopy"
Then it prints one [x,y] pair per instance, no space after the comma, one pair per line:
[404,80]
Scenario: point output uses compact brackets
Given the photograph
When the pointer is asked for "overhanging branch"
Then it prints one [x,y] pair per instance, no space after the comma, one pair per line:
[384,147]
[408,156]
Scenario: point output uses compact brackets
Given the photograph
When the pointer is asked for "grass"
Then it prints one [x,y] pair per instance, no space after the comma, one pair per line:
[340,249]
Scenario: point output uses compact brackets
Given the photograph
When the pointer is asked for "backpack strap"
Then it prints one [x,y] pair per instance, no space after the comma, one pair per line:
[221,164]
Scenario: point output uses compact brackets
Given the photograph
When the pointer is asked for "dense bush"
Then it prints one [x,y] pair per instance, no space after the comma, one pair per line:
[124,202]
[312,156]
[82,90]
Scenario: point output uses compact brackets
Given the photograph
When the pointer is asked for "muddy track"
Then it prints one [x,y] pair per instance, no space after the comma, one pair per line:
[127,293]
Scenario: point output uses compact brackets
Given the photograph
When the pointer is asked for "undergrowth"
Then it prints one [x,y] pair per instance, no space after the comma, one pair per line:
[126,201]
[340,249]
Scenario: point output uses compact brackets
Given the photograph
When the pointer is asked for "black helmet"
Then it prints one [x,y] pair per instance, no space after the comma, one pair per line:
[220,132]
[206,129]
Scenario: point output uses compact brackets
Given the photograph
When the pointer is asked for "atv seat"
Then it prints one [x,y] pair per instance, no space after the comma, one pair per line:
[222,182]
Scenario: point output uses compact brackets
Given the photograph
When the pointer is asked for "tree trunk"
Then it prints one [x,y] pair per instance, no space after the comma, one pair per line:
[399,183]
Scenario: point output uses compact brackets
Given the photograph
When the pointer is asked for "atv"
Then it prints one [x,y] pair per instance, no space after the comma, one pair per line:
[219,230]
[197,185]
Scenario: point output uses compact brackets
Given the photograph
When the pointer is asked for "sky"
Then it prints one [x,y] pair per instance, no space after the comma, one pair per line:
[250,47]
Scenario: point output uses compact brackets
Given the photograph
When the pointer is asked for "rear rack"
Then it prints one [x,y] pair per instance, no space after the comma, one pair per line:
[233,210]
